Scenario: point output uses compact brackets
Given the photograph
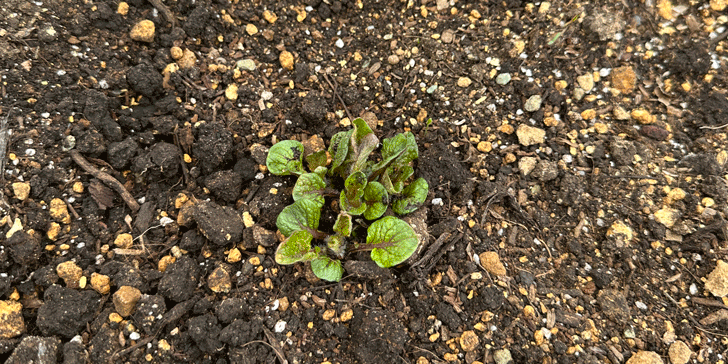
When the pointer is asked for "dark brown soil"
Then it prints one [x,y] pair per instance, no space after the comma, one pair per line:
[584,144]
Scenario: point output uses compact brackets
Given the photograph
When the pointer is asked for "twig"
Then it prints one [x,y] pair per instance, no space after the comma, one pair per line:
[338,96]
[4,143]
[107,179]
[73,211]
[715,127]
[273,344]
[166,13]
[131,348]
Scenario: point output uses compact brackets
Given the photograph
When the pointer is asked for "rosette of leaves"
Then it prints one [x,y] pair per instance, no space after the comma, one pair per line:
[369,184]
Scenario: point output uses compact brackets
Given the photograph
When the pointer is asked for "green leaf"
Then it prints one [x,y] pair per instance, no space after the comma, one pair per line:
[295,248]
[392,241]
[343,224]
[327,269]
[377,199]
[336,244]
[353,208]
[302,215]
[391,187]
[402,174]
[353,191]
[354,185]
[285,157]
[412,198]
[402,146]
[310,186]
[339,149]
[321,171]
[363,143]
[316,160]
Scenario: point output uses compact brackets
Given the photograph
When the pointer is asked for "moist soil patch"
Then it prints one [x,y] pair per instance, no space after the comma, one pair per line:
[575,154]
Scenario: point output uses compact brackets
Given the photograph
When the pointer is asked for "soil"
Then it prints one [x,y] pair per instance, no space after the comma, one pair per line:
[576,159]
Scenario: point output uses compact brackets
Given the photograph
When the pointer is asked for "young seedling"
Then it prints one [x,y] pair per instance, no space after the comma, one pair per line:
[365,186]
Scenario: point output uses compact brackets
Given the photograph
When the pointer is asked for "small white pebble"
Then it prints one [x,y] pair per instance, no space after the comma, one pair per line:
[340,43]
[280,326]
[693,289]
[134,336]
[640,305]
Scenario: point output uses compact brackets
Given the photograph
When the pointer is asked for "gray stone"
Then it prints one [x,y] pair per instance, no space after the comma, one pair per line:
[533,103]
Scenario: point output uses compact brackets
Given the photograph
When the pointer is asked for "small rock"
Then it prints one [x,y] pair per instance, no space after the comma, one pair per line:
[36,349]
[21,190]
[667,216]
[546,171]
[620,232]
[270,16]
[442,4]
[123,8]
[70,273]
[614,305]
[469,341]
[286,60]
[578,93]
[100,283]
[263,236]
[502,356]
[492,263]
[176,53]
[125,300]
[219,280]
[164,262]
[231,92]
[143,31]
[485,147]
[246,64]
[234,256]
[544,7]
[586,81]
[17,226]
[654,132]
[447,36]
[529,135]
[59,211]
[588,114]
[623,151]
[124,241]
[645,357]
[533,103]
[679,352]
[718,5]
[393,59]
[676,194]
[664,8]
[188,60]
[560,85]
[11,319]
[527,164]
[624,79]
[642,116]
[503,79]
[601,128]
[605,24]
[620,113]
[251,29]
[464,81]
[717,282]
